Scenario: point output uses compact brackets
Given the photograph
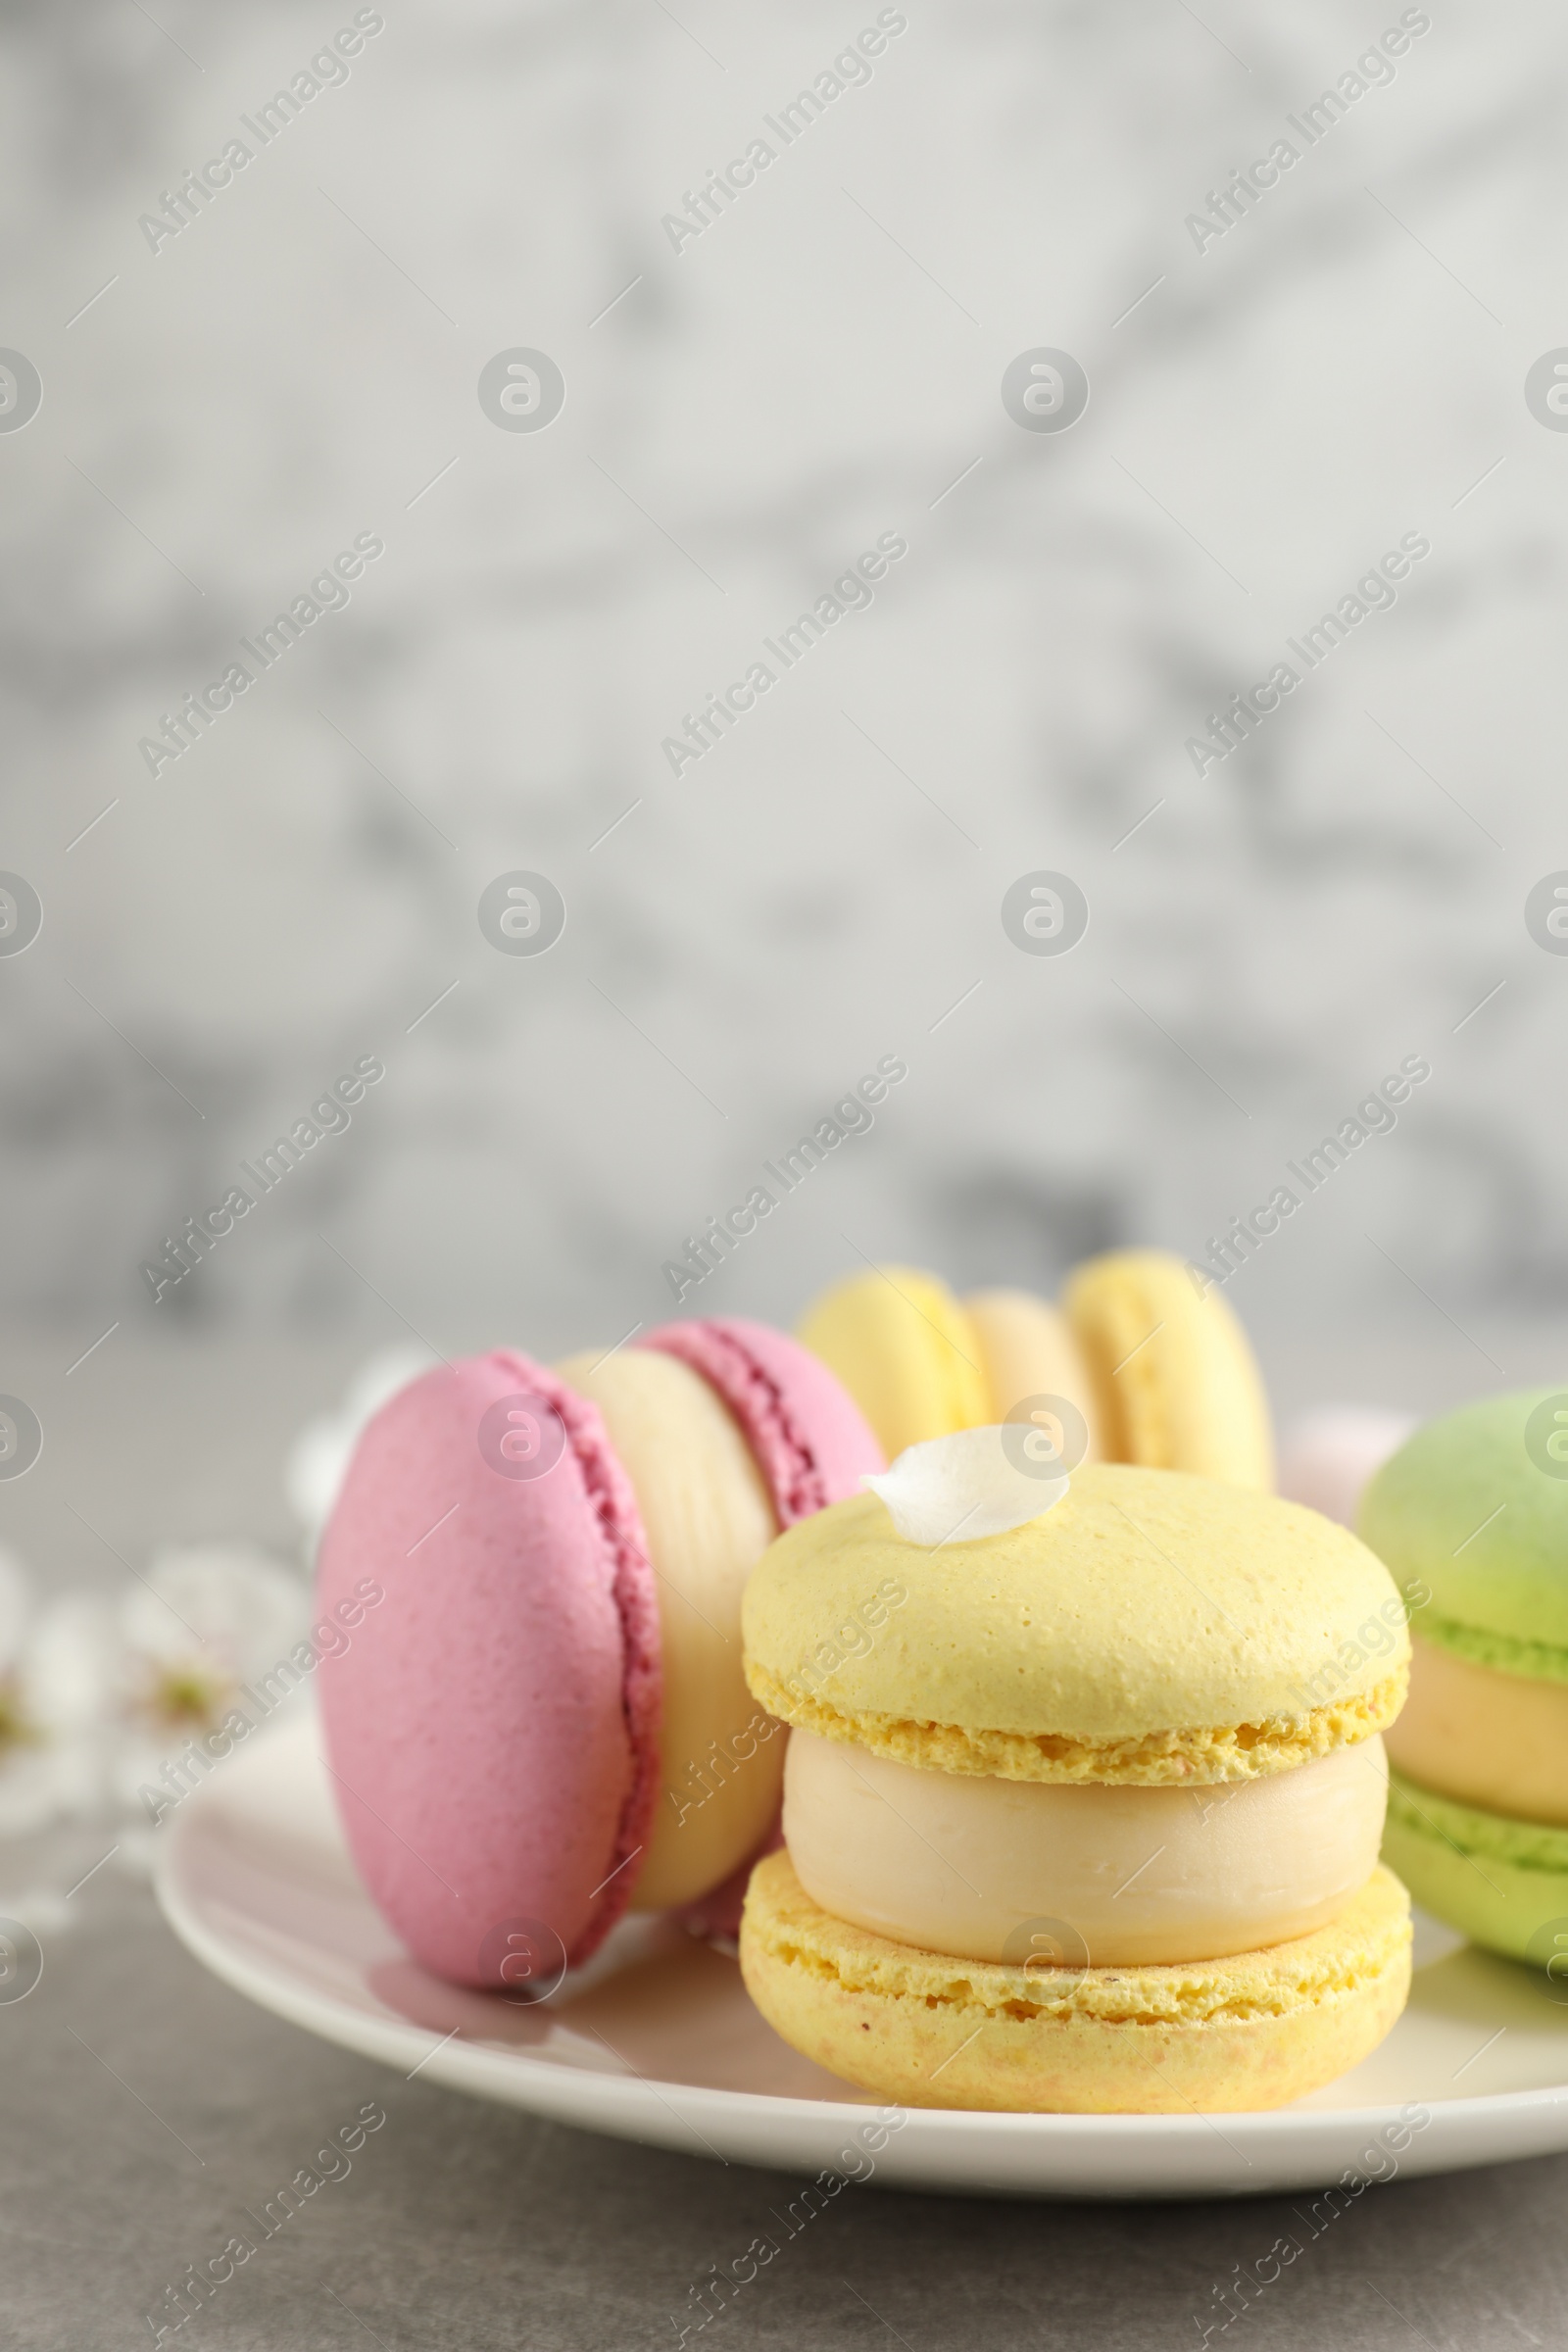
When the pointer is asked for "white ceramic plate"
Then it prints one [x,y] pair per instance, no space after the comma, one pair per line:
[657,2041]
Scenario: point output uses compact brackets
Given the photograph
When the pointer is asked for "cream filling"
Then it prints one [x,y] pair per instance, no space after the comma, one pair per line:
[709,1519]
[1499,1740]
[1030,1356]
[1028,1870]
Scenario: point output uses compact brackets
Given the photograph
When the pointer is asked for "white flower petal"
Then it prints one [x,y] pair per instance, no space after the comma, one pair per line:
[224,1608]
[978,1481]
[69,1666]
[315,1467]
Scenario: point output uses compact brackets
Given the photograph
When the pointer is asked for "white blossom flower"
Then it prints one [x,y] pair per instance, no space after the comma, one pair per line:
[206,1622]
[48,1760]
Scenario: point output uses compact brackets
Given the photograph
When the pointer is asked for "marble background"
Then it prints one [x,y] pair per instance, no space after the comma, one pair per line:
[300,364]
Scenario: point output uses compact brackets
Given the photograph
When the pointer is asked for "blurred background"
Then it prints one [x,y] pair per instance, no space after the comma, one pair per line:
[242,377]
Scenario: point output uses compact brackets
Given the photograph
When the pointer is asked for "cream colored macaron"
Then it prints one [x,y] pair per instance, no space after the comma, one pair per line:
[1134,1732]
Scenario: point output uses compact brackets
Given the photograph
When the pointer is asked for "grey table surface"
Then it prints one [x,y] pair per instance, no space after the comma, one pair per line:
[147,2107]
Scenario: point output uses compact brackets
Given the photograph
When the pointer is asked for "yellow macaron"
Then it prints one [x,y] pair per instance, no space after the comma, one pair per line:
[920,1363]
[1176,1384]
[1151,1367]
[1097,1797]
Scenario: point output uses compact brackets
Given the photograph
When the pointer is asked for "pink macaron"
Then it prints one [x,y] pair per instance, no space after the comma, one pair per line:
[493,1729]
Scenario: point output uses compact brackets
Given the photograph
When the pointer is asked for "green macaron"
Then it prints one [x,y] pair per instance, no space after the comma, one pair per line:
[1474,1508]
[1503,1884]
[1471,1518]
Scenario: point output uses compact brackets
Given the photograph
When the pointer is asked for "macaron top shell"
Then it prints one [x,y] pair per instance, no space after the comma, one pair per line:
[811,1439]
[1152,1627]
[493,1729]
[1177,1383]
[1474,1509]
[904,1348]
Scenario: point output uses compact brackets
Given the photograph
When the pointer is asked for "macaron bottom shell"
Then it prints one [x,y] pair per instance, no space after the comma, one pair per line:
[1501,1881]
[1244,2034]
